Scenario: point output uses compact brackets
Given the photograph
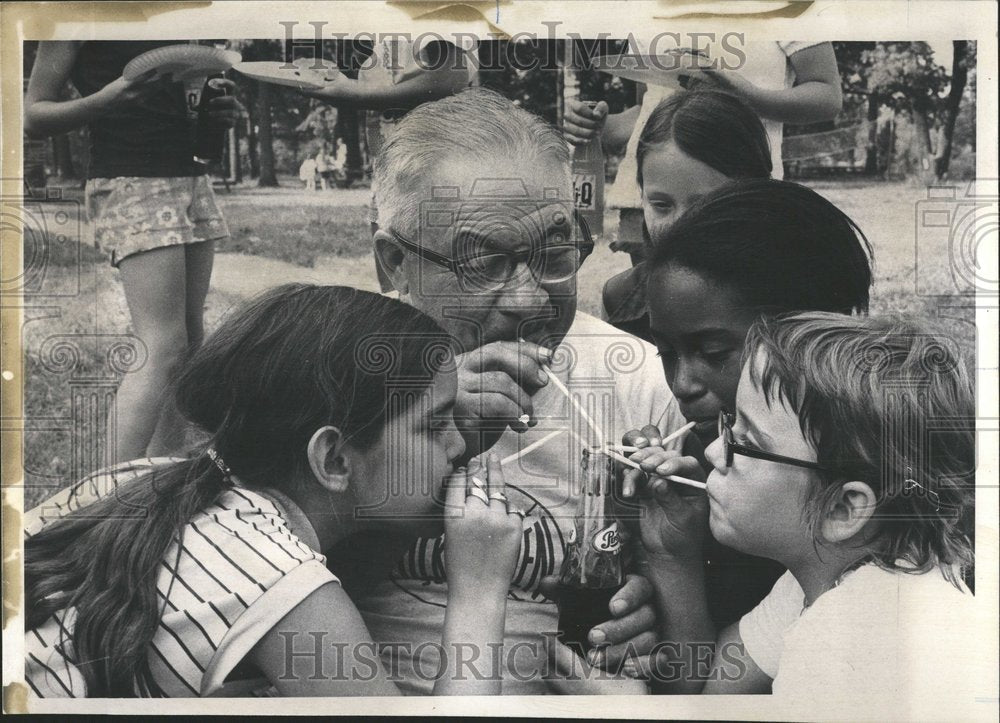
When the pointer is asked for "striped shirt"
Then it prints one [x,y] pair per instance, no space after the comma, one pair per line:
[235,572]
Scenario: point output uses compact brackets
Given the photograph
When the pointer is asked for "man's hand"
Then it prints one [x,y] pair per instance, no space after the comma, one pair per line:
[581,123]
[631,629]
[570,675]
[495,386]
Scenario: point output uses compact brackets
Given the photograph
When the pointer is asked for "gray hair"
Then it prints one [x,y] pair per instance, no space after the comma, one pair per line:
[477,125]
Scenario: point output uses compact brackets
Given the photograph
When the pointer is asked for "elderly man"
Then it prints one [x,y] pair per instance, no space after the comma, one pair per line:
[477,230]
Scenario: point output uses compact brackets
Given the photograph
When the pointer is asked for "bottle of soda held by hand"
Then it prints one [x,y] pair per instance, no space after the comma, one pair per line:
[209,135]
[592,570]
[588,182]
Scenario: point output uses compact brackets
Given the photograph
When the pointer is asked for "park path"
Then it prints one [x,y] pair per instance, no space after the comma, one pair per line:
[242,275]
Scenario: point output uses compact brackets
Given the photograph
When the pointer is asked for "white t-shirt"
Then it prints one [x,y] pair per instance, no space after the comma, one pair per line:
[878,634]
[767,65]
[606,367]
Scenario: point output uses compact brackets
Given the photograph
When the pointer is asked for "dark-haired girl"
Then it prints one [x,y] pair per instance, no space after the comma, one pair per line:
[328,412]
[692,144]
[752,248]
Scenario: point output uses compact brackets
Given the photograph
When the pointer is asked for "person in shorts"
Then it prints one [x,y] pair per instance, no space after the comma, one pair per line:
[151,207]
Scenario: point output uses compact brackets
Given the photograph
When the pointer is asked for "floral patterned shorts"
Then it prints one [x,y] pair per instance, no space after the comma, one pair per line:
[132,214]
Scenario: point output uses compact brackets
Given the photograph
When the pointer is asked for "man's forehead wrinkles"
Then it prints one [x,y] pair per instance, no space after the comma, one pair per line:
[540,216]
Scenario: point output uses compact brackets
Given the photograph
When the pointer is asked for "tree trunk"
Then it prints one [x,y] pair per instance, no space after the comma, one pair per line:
[922,136]
[234,153]
[871,151]
[267,176]
[348,129]
[63,157]
[959,76]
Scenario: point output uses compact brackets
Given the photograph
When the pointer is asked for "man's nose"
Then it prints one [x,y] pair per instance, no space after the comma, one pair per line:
[524,291]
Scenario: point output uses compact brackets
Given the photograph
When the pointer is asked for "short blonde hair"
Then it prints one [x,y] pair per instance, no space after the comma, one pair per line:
[474,125]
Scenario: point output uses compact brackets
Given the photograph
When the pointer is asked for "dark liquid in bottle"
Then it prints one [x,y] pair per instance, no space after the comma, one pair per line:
[210,136]
[580,609]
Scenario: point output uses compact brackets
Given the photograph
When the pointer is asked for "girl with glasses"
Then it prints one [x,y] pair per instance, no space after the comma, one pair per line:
[850,460]
[750,249]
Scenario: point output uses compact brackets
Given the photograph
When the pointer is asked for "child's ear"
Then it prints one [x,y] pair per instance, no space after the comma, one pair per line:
[848,512]
[330,466]
[391,257]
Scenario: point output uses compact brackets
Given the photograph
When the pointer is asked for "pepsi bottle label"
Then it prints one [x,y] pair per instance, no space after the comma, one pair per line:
[607,540]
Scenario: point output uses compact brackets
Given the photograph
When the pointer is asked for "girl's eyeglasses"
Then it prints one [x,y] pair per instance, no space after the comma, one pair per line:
[484,273]
[730,448]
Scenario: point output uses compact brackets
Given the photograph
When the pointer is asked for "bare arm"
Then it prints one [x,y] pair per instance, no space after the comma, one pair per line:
[443,79]
[347,662]
[816,95]
[618,129]
[47,113]
[581,123]
[483,541]
[734,672]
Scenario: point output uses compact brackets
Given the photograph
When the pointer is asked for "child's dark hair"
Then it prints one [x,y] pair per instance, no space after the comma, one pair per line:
[713,127]
[778,245]
[888,402]
[292,360]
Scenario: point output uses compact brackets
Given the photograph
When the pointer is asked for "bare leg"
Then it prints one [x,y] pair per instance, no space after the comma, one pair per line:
[199,259]
[169,436]
[155,289]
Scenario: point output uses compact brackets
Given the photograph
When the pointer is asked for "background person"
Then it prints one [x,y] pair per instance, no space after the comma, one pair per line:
[783,82]
[152,209]
[692,144]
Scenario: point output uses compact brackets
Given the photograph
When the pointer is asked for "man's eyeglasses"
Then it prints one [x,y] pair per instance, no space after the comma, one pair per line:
[483,273]
[730,448]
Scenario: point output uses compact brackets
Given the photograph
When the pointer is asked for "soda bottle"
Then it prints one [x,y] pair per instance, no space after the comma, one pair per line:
[209,135]
[592,570]
[588,181]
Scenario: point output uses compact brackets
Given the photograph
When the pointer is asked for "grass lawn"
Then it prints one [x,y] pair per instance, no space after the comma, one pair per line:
[326,235]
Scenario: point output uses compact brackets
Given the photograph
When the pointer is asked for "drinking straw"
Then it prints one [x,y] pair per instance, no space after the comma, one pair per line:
[585,527]
[671,477]
[576,404]
[669,438]
[531,447]
[674,435]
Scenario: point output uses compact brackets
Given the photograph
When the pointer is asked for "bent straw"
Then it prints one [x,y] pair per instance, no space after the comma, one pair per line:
[671,477]
[531,447]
